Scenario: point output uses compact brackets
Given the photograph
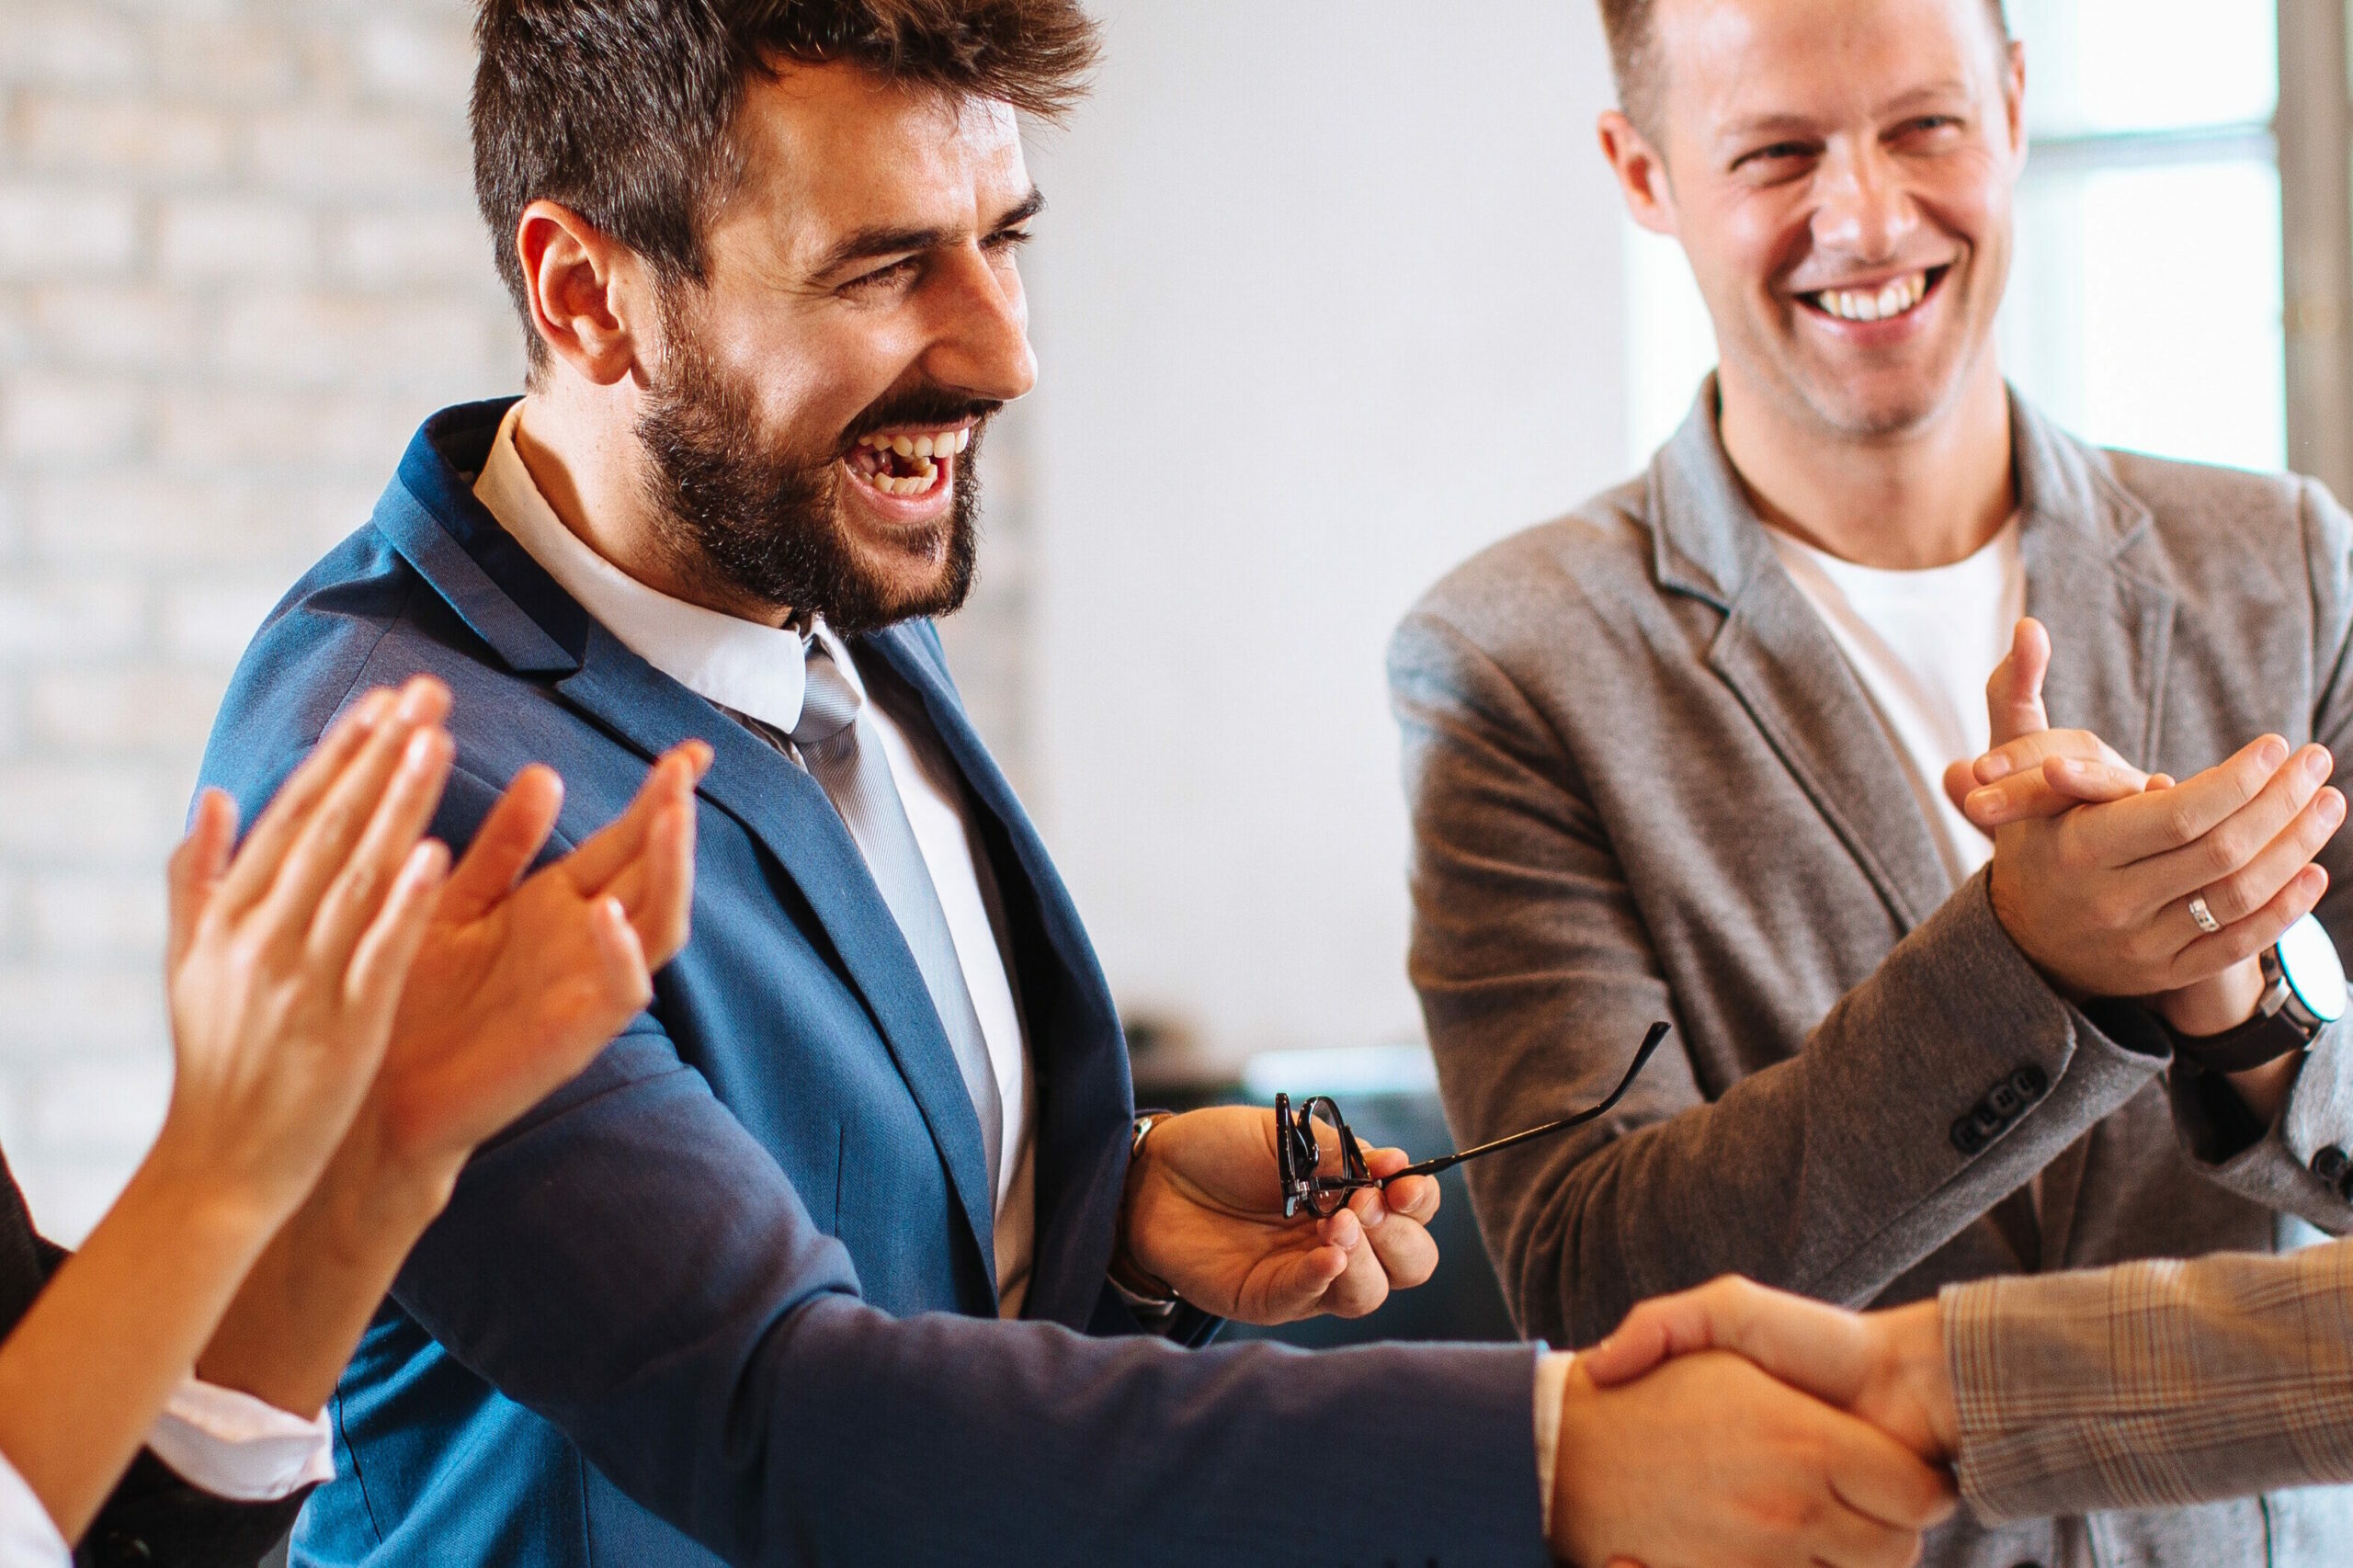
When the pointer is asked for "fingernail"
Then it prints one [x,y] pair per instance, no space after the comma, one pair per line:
[2332,807]
[1993,767]
[370,711]
[419,751]
[2319,765]
[2273,751]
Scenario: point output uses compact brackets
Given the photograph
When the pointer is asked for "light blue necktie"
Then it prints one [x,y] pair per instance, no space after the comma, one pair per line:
[843,754]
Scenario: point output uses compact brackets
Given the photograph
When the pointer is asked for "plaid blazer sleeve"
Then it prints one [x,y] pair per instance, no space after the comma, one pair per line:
[2153,1384]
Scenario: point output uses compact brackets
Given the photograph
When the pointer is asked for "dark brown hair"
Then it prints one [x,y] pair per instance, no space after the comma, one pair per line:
[1641,75]
[620,109]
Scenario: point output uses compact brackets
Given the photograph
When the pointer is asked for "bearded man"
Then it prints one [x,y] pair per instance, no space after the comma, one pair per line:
[851,1248]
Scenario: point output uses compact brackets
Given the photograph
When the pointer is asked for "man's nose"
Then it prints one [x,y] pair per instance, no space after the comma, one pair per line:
[1864,210]
[981,342]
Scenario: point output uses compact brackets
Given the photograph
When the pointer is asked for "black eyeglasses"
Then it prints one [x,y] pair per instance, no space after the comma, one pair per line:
[1299,1152]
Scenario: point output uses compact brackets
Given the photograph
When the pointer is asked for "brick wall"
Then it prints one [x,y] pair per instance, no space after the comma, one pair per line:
[238,263]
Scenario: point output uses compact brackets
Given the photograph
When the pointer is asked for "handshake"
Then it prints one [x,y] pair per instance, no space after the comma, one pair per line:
[1735,1424]
[1730,1423]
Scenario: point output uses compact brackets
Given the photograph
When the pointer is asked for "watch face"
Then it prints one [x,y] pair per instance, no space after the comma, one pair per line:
[2308,961]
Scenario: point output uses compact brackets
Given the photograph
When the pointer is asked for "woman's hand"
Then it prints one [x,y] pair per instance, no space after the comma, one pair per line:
[285,963]
[517,988]
[285,967]
[520,983]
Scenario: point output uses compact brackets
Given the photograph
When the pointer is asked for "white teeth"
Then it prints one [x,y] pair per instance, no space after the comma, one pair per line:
[919,450]
[945,444]
[1849,305]
[913,484]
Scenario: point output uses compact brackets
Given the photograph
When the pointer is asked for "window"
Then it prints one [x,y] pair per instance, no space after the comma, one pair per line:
[2147,304]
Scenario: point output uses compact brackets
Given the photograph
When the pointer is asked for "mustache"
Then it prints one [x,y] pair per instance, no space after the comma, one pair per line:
[921,405]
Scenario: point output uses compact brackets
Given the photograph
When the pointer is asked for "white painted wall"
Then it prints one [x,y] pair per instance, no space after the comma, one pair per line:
[1329,295]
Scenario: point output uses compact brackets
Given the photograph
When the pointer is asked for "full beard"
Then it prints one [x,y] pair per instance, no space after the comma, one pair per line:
[759,524]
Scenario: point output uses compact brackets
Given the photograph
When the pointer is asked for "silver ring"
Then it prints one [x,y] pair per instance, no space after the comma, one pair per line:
[2203,916]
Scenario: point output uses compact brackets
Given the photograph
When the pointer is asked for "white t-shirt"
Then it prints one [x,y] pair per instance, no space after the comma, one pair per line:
[1923,645]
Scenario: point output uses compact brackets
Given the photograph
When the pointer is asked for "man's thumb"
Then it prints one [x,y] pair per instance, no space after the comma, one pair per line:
[2014,693]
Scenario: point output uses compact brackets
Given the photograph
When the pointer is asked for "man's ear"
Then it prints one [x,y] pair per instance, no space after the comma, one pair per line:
[1642,173]
[587,293]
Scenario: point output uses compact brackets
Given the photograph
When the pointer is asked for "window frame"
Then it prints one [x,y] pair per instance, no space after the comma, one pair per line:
[2310,142]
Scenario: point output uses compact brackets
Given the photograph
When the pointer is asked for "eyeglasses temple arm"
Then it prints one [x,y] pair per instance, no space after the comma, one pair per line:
[1448,1162]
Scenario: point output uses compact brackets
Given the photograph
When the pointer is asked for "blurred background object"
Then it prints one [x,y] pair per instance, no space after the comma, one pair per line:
[1331,293]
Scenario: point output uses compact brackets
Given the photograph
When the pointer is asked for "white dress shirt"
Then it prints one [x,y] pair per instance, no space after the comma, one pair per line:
[218,1440]
[758,671]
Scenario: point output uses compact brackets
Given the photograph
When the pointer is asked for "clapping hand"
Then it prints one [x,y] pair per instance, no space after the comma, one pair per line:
[519,984]
[284,964]
[2095,864]
[1204,1213]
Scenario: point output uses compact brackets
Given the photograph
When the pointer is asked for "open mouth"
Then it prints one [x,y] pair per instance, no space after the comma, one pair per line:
[906,467]
[1888,303]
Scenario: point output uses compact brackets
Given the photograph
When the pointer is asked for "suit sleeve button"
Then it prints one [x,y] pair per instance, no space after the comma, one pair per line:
[2329,1164]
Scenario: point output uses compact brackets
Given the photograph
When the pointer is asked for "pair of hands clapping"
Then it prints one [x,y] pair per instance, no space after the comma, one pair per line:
[351,1015]
[336,976]
[2096,863]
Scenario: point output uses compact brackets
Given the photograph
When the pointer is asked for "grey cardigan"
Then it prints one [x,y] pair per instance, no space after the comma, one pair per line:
[1645,784]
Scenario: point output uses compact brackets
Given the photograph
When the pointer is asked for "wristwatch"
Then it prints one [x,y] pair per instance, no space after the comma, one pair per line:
[1153,1298]
[2303,992]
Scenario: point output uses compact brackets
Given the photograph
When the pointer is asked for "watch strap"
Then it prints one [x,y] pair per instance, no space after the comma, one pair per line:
[1143,1294]
[2265,1038]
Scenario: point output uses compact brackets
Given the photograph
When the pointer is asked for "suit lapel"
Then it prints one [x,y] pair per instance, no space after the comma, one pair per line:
[784,809]
[432,516]
[1086,1097]
[1782,661]
[2094,579]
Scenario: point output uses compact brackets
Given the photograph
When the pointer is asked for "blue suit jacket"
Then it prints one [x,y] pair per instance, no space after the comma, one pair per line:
[730,1294]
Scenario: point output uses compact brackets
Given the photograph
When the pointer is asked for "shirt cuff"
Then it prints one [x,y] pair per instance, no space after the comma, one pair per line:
[28,1535]
[234,1446]
[1551,1384]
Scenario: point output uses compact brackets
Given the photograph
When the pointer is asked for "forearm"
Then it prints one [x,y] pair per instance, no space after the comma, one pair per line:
[2275,1154]
[1830,1174]
[88,1369]
[1142,1453]
[2243,1386]
[294,1323]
